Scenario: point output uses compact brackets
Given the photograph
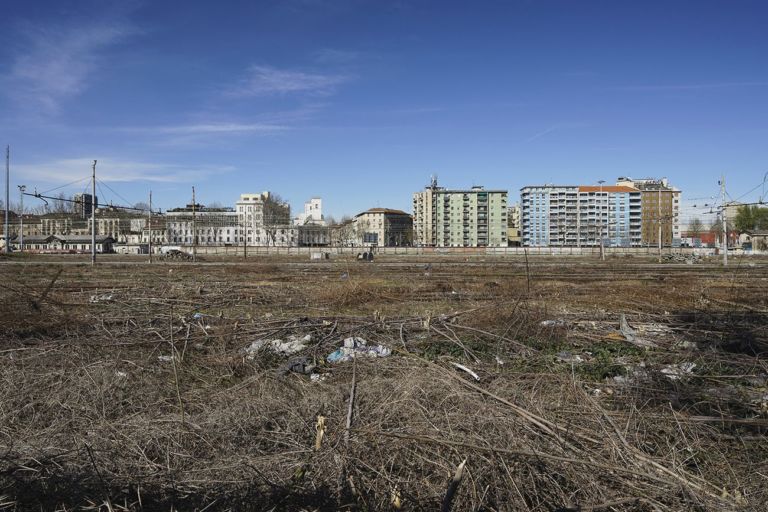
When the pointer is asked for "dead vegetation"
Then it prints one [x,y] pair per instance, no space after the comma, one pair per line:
[128,388]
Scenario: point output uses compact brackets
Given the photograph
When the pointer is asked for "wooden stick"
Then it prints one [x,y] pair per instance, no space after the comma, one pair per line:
[452,487]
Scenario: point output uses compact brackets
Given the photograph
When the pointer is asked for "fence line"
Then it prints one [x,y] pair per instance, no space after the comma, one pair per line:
[468,251]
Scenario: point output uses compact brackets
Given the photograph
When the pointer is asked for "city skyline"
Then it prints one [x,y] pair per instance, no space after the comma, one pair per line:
[359,103]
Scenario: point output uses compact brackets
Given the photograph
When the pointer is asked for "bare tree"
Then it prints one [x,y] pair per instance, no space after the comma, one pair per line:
[141,205]
[695,228]
[60,204]
[277,216]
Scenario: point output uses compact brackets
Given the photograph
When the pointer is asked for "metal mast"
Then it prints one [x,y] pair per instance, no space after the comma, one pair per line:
[149,222]
[7,197]
[725,223]
[22,189]
[194,227]
[93,215]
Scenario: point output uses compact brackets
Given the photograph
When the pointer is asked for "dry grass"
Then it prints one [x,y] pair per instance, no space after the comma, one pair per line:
[90,416]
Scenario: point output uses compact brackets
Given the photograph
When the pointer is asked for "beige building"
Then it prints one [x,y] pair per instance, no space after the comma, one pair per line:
[383,227]
[660,203]
[459,218]
[514,228]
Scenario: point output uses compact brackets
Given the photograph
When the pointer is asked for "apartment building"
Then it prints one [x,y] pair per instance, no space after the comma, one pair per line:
[472,217]
[660,210]
[312,214]
[581,216]
[514,230]
[264,221]
[384,227]
[213,226]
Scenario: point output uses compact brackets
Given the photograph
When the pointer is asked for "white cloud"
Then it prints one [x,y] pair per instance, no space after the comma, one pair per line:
[691,87]
[57,63]
[115,170]
[267,80]
[332,56]
[219,128]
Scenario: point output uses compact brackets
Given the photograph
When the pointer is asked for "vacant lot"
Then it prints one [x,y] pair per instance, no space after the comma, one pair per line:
[136,387]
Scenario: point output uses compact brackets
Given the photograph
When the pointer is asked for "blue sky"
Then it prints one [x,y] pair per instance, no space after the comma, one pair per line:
[360,101]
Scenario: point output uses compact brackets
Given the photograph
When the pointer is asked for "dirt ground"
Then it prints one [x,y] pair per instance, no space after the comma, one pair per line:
[473,384]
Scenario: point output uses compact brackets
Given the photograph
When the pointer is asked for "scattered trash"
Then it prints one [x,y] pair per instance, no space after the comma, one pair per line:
[567,357]
[197,316]
[302,365]
[345,275]
[121,375]
[166,359]
[631,335]
[688,344]
[267,315]
[464,368]
[318,377]
[105,297]
[499,361]
[681,258]
[553,323]
[293,345]
[676,371]
[354,347]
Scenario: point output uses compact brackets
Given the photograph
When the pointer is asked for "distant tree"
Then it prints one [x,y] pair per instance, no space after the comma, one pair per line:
[215,204]
[695,227]
[277,216]
[141,206]
[60,204]
[751,218]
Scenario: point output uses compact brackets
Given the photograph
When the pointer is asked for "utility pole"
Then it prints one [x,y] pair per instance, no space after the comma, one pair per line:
[149,222]
[194,227]
[245,235]
[93,215]
[7,197]
[602,242]
[725,223]
[658,221]
[22,189]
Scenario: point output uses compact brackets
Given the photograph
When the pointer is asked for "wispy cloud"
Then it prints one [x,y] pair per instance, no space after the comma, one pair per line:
[267,80]
[221,128]
[116,170]
[555,128]
[690,87]
[542,133]
[333,56]
[56,63]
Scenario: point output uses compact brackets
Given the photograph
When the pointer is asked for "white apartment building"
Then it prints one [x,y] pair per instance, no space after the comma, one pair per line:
[213,226]
[313,213]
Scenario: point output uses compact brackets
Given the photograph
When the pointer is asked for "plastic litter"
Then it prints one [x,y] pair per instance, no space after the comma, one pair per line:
[567,357]
[676,371]
[165,359]
[631,335]
[357,347]
[464,368]
[104,297]
[293,345]
[302,365]
[197,316]
[553,323]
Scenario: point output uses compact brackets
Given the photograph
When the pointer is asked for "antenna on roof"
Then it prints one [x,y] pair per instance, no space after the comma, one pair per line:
[433,181]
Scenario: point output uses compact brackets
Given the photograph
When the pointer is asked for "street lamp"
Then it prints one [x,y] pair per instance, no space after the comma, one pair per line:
[22,189]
